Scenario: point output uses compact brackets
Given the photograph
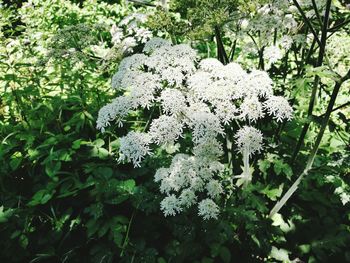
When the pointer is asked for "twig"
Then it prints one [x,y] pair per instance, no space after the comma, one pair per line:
[306,20]
[314,150]
[316,80]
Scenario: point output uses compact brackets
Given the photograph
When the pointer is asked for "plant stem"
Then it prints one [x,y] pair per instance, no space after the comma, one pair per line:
[307,22]
[315,148]
[222,55]
[319,62]
[316,12]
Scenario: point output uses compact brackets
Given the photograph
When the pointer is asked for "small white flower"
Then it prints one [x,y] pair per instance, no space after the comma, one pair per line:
[134,147]
[214,188]
[154,44]
[208,209]
[172,101]
[272,54]
[249,139]
[170,205]
[116,110]
[251,109]
[279,108]
[187,198]
[165,130]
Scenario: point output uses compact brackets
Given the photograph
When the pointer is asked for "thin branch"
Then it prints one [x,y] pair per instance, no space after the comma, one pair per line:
[319,62]
[314,150]
[140,2]
[316,12]
[306,20]
[222,55]
[336,27]
[338,108]
[232,51]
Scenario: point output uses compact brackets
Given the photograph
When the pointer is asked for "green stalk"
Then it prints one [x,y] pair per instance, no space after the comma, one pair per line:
[222,55]
[319,62]
[306,20]
[313,153]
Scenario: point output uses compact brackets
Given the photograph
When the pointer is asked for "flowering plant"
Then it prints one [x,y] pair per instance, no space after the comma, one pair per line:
[200,97]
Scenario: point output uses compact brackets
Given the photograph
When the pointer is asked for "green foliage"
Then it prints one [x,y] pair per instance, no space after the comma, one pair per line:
[65,198]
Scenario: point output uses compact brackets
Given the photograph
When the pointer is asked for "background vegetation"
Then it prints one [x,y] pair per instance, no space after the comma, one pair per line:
[65,198]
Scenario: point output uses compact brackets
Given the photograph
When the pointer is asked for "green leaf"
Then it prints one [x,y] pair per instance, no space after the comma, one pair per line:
[273,193]
[225,255]
[41,197]
[323,72]
[51,168]
[16,160]
[23,240]
[5,214]
[280,254]
[98,143]
[92,227]
[128,185]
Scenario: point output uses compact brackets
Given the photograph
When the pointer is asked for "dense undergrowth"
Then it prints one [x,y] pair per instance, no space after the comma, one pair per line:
[66,193]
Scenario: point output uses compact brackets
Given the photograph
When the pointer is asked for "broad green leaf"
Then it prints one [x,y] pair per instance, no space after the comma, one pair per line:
[5,214]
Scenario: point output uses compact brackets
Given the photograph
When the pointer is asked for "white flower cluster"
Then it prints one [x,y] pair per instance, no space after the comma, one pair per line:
[130,32]
[188,176]
[194,98]
[270,28]
[249,141]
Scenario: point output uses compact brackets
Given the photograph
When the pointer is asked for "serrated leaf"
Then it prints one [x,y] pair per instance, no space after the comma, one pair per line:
[280,254]
[5,214]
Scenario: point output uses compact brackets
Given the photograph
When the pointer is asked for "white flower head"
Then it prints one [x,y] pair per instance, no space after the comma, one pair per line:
[154,44]
[272,54]
[161,173]
[142,34]
[209,150]
[134,147]
[258,83]
[285,42]
[208,209]
[205,125]
[117,34]
[188,198]
[172,101]
[279,108]
[170,205]
[116,110]
[198,83]
[210,65]
[173,76]
[251,109]
[226,111]
[142,88]
[128,44]
[165,130]
[249,139]
[214,188]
